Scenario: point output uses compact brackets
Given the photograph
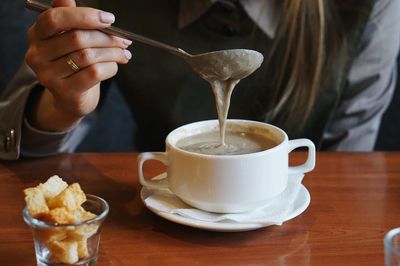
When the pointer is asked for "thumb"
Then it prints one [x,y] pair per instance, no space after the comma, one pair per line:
[58,3]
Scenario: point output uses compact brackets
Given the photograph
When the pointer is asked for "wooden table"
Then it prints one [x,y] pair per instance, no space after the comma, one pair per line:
[355,200]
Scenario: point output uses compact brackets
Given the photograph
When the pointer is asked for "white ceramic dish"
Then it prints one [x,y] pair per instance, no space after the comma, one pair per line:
[301,203]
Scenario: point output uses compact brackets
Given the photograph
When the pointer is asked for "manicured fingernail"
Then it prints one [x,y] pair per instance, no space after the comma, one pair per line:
[127,42]
[128,54]
[106,17]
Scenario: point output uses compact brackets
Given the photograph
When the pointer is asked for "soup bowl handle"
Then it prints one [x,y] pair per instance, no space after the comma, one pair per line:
[309,163]
[151,183]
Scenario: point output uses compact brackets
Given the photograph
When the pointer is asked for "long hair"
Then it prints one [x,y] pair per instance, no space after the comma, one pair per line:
[306,43]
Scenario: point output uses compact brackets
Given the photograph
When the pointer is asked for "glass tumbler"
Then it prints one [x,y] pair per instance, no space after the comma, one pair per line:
[392,247]
[69,244]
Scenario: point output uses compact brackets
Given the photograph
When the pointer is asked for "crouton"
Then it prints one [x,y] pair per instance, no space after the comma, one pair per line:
[52,187]
[57,216]
[83,251]
[83,231]
[52,234]
[82,215]
[64,251]
[70,198]
[35,202]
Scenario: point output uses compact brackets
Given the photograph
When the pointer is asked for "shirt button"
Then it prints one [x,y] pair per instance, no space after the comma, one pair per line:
[9,141]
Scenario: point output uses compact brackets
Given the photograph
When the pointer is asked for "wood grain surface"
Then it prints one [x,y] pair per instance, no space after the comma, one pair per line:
[355,200]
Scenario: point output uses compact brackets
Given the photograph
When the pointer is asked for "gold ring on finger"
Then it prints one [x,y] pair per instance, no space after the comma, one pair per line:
[72,64]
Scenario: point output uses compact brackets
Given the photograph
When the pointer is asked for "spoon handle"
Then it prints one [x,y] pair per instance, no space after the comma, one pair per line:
[40,7]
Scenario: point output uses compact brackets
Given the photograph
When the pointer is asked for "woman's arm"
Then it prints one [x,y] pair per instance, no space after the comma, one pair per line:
[17,136]
[50,118]
[370,83]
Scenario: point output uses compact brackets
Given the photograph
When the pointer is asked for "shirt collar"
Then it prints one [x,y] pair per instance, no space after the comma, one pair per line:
[262,12]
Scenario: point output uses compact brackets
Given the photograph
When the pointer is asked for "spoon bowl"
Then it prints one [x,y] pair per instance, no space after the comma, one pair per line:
[234,64]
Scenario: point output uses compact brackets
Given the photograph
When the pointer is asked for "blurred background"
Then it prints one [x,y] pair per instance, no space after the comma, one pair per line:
[112,132]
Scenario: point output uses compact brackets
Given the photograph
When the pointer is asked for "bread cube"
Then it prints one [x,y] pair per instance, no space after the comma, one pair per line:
[35,202]
[57,216]
[83,231]
[64,251]
[82,215]
[83,251]
[52,187]
[53,234]
[70,198]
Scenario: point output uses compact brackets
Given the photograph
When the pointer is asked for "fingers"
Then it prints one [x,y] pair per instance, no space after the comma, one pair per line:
[70,56]
[76,40]
[80,82]
[59,19]
[53,74]
[85,58]
[90,76]
[78,95]
[86,47]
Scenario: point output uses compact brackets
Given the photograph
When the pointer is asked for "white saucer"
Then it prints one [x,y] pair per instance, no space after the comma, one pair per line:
[301,203]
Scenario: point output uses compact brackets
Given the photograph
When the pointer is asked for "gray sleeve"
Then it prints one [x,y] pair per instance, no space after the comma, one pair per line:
[370,83]
[12,105]
[17,137]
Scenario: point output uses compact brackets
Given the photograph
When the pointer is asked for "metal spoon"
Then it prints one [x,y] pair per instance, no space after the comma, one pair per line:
[221,65]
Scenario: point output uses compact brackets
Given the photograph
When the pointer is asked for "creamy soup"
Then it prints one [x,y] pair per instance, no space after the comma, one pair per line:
[235,143]
[223,70]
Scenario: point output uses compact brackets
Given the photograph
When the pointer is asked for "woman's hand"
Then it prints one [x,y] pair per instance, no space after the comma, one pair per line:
[70,58]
